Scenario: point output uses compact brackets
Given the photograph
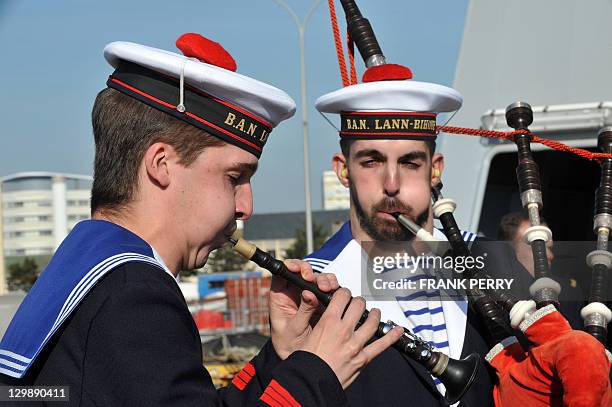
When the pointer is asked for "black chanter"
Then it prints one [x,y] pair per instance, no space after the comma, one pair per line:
[544,290]
[456,375]
[596,314]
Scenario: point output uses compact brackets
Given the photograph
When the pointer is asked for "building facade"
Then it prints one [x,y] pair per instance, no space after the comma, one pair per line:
[276,232]
[38,211]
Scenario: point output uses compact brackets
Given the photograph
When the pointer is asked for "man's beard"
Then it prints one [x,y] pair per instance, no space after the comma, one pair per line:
[385,229]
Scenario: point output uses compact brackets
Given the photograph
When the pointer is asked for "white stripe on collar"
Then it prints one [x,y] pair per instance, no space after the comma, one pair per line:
[347,268]
[162,264]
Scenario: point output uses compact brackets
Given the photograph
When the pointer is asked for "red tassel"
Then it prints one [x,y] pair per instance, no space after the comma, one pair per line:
[386,72]
[196,46]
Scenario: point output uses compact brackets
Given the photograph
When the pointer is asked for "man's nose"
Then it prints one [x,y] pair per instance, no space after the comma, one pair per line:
[244,203]
[391,182]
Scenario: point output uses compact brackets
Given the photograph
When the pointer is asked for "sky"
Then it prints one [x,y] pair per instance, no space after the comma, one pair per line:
[52,68]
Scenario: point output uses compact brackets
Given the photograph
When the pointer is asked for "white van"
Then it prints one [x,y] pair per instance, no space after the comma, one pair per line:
[568,181]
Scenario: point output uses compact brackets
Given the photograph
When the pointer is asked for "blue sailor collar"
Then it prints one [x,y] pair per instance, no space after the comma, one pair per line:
[91,250]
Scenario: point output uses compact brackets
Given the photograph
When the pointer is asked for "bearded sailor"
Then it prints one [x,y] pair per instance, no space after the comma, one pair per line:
[389,164]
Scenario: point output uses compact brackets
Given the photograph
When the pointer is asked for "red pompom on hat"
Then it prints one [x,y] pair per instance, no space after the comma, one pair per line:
[194,45]
[386,72]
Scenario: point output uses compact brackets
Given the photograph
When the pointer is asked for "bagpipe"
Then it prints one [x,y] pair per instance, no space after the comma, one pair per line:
[561,366]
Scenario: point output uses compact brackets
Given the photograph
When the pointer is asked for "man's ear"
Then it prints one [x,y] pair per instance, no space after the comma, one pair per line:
[340,167]
[437,168]
[157,161]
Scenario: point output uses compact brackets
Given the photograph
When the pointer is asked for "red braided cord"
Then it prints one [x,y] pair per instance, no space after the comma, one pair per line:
[509,135]
[338,42]
[351,53]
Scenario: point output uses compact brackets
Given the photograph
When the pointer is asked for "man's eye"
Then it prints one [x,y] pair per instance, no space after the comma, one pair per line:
[411,165]
[368,163]
[234,179]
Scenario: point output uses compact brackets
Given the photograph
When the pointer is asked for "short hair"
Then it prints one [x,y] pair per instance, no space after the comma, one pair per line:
[510,222]
[123,130]
[345,147]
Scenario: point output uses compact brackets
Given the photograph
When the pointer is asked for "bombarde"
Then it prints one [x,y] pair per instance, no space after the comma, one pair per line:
[596,314]
[456,375]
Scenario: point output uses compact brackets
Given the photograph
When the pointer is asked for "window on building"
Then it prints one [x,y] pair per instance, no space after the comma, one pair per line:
[27,184]
[72,184]
[37,251]
[216,284]
[13,205]
[46,233]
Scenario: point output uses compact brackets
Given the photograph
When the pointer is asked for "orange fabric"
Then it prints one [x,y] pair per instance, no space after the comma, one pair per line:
[564,368]
[510,355]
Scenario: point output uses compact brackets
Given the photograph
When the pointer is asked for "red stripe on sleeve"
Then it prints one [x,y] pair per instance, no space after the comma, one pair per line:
[249,368]
[270,401]
[280,390]
[239,382]
[243,377]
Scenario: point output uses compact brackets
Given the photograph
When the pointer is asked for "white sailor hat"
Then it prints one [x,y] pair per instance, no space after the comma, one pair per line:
[201,88]
[390,109]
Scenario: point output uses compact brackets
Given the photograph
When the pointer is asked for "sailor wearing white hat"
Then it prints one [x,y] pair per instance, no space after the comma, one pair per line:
[106,317]
[389,164]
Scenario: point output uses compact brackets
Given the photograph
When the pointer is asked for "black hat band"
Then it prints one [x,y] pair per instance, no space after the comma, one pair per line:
[388,125]
[217,117]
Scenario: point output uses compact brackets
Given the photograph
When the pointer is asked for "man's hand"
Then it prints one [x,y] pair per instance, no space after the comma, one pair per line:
[292,313]
[335,340]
